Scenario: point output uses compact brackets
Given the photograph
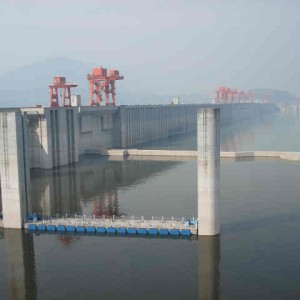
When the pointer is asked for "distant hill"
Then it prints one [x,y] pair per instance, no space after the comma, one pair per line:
[28,86]
[275,95]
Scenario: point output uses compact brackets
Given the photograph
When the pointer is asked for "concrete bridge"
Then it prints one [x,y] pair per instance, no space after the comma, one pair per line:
[52,137]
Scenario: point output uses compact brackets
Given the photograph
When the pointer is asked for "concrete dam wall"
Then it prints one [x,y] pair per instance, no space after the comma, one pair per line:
[141,124]
[47,138]
[57,136]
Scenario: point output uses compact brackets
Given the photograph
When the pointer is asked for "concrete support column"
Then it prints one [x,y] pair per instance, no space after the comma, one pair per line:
[208,126]
[14,169]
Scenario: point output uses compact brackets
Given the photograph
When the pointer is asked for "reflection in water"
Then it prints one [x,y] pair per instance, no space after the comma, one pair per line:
[67,239]
[108,208]
[136,270]
[55,191]
[209,267]
[93,180]
[20,264]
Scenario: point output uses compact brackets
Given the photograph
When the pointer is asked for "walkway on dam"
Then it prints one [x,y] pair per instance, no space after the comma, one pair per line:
[179,154]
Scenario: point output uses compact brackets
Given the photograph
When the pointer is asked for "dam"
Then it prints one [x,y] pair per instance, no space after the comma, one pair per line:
[48,138]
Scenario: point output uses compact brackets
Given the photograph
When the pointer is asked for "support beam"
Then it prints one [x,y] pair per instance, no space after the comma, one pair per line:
[208,126]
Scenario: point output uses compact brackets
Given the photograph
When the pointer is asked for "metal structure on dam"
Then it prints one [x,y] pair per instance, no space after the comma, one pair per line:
[48,138]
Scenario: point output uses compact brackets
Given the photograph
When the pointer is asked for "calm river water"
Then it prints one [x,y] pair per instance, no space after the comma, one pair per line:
[257,255]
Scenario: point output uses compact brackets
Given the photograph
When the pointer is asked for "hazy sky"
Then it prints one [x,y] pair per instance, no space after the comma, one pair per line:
[164,46]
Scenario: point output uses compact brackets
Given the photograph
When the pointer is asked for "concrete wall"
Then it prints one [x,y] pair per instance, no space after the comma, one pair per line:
[142,124]
[290,108]
[99,128]
[14,168]
[57,136]
[52,136]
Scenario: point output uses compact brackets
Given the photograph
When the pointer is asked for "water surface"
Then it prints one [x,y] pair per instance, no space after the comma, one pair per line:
[257,255]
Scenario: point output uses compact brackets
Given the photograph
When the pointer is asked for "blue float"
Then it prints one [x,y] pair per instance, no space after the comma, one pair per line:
[80,229]
[90,229]
[41,227]
[131,230]
[153,231]
[31,227]
[121,230]
[163,231]
[185,232]
[70,228]
[142,231]
[111,230]
[51,227]
[34,217]
[61,228]
[101,230]
[174,232]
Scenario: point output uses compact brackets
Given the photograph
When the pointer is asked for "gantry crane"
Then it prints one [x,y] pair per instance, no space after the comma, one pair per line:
[96,79]
[101,81]
[59,82]
[223,92]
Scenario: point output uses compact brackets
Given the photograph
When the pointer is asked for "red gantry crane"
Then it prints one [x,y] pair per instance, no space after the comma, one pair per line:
[59,83]
[97,80]
[231,95]
[101,81]
[223,92]
[241,96]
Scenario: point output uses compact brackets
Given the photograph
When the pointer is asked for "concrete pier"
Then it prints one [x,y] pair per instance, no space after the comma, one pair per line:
[14,169]
[208,125]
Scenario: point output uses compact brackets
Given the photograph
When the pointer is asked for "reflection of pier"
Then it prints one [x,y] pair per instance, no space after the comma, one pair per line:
[20,265]
[93,180]
[55,191]
[209,267]
[21,260]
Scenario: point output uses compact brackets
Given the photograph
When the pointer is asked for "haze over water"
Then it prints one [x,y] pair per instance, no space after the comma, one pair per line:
[256,256]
